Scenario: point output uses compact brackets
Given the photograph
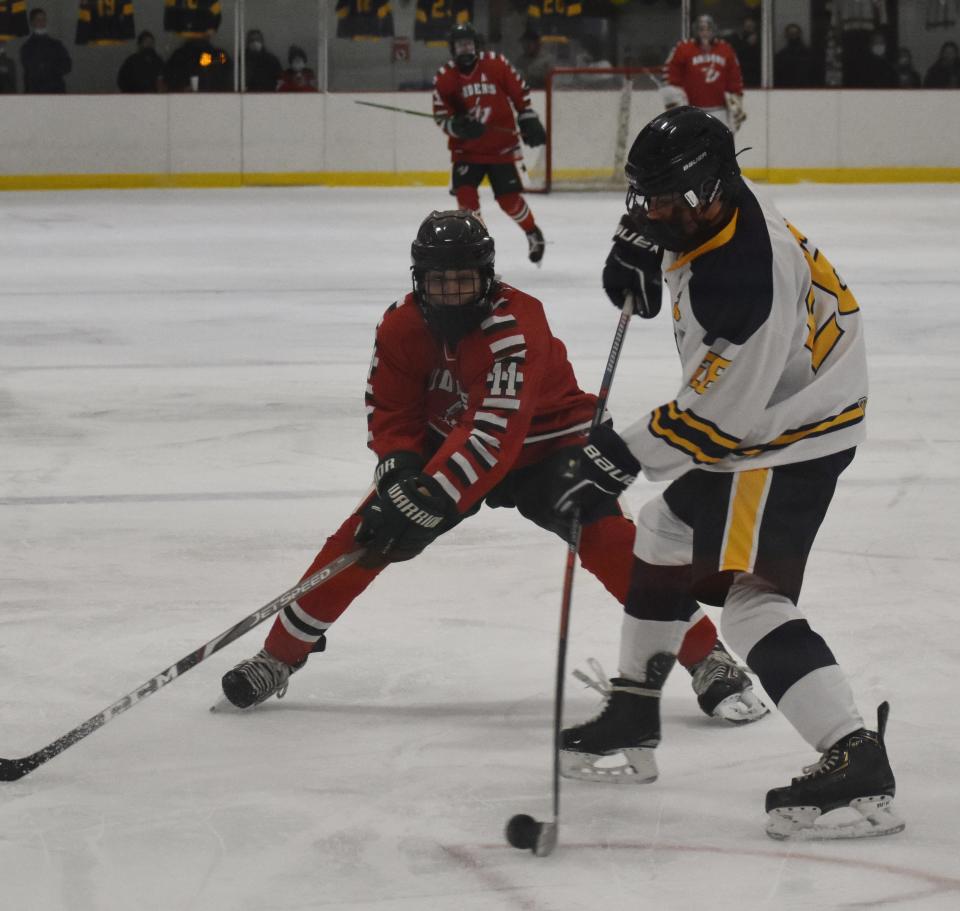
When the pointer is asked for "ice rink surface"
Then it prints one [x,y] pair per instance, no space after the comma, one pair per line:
[182,424]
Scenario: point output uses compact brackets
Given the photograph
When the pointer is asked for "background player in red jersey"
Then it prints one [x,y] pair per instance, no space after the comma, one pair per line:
[704,71]
[475,96]
[470,399]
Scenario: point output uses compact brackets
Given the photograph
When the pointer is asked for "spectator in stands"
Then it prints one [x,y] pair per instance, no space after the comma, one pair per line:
[297,77]
[945,73]
[747,47]
[794,66]
[533,64]
[8,72]
[263,69]
[199,66]
[877,72]
[142,71]
[908,76]
[44,59]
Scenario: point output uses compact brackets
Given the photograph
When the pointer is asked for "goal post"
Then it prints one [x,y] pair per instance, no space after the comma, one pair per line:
[593,115]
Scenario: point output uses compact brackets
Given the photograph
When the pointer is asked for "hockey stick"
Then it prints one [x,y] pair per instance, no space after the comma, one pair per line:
[390,107]
[14,769]
[547,837]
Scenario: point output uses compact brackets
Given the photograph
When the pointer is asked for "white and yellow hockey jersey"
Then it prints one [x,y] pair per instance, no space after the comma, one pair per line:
[771,344]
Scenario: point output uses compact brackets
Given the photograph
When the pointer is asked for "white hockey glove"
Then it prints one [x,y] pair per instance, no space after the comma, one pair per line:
[672,96]
[735,110]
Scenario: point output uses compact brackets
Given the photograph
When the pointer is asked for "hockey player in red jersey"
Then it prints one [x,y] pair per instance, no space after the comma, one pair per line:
[475,96]
[703,71]
[470,399]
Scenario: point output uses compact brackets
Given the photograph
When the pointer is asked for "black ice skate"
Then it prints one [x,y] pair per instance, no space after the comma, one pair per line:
[724,690]
[257,679]
[853,777]
[617,746]
[536,244]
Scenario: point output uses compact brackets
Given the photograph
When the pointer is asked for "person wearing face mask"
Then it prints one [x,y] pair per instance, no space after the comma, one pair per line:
[44,59]
[908,77]
[877,70]
[480,102]
[297,77]
[945,73]
[794,66]
[142,72]
[263,69]
[471,400]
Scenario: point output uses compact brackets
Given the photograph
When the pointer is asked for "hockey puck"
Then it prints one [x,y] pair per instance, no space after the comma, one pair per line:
[522,832]
[526,834]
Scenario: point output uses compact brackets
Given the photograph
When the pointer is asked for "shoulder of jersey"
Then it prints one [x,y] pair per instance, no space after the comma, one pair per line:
[510,301]
[731,287]
[403,315]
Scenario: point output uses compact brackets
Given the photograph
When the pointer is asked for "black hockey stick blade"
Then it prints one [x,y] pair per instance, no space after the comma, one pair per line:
[15,769]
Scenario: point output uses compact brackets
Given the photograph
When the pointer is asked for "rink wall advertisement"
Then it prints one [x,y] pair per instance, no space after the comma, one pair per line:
[57,142]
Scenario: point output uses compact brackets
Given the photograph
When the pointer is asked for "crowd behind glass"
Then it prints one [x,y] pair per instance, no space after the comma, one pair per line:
[349,45]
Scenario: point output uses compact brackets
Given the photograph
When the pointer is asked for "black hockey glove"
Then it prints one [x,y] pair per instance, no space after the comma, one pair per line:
[463,126]
[605,469]
[403,520]
[531,130]
[396,466]
[633,267]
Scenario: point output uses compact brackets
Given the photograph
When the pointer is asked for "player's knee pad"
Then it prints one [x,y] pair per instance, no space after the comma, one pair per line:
[659,592]
[752,610]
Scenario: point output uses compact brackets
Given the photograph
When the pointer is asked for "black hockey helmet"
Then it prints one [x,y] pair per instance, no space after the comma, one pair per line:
[451,242]
[464,31]
[685,157]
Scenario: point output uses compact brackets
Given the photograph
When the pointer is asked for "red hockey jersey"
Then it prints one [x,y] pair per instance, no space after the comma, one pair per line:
[491,92]
[705,75]
[503,399]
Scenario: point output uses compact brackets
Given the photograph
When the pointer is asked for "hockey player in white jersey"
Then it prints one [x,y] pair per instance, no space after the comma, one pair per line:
[769,413]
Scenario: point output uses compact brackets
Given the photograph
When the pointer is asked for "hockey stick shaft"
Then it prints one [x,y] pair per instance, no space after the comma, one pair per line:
[14,769]
[573,547]
[390,107]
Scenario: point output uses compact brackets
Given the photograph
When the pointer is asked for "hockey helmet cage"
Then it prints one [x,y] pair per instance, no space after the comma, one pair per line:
[464,31]
[452,241]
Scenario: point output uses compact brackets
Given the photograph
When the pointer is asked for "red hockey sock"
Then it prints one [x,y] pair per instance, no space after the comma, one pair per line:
[516,207]
[606,550]
[298,627]
[698,642]
[469,198]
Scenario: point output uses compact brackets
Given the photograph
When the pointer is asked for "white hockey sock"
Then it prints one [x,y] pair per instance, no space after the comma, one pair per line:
[821,707]
[640,640]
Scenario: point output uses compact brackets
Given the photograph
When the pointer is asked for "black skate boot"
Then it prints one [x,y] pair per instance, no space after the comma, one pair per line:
[724,690]
[854,773]
[617,746]
[536,244]
[257,679]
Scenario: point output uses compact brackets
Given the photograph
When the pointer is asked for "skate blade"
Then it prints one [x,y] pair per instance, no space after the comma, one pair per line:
[741,708]
[634,766]
[870,818]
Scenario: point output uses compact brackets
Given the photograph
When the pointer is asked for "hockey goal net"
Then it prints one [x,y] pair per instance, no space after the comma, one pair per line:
[592,117]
